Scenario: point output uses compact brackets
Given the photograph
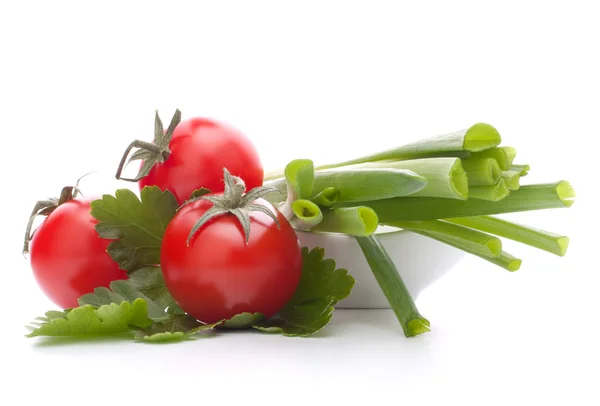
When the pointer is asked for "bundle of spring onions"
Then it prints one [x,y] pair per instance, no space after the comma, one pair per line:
[448,188]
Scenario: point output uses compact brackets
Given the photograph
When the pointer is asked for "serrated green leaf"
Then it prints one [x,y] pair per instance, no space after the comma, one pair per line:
[137,226]
[321,279]
[89,321]
[175,309]
[123,291]
[321,287]
[150,282]
[161,337]
[243,320]
[301,319]
[176,328]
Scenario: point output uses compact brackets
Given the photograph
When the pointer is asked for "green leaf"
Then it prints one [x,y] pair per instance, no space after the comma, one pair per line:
[243,320]
[300,319]
[137,226]
[150,282]
[320,278]
[89,321]
[176,328]
[123,291]
[321,287]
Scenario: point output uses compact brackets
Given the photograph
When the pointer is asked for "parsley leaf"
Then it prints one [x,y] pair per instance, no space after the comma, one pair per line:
[176,328]
[243,320]
[88,321]
[150,282]
[137,226]
[123,291]
[170,324]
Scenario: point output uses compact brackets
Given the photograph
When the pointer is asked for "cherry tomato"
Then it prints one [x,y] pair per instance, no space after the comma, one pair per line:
[68,257]
[220,275]
[200,148]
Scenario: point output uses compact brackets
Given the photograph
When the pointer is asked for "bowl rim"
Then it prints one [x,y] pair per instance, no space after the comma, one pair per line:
[382,232]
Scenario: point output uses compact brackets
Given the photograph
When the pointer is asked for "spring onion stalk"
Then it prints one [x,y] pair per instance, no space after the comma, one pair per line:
[544,240]
[482,172]
[298,183]
[503,155]
[393,287]
[356,184]
[492,193]
[306,214]
[527,198]
[512,179]
[462,143]
[476,241]
[357,221]
[445,176]
[523,169]
[326,197]
[503,260]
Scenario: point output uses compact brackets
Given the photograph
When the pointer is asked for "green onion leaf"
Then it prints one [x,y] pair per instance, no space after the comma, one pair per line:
[482,172]
[445,176]
[300,174]
[298,183]
[356,221]
[545,240]
[503,155]
[306,214]
[393,286]
[478,137]
[503,260]
[492,193]
[512,179]
[326,197]
[523,169]
[360,184]
[476,241]
[528,197]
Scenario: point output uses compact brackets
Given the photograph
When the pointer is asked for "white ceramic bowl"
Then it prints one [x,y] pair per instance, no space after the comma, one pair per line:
[419,260]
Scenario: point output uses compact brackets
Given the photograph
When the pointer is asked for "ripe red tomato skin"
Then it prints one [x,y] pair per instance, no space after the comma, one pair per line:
[200,149]
[68,258]
[218,275]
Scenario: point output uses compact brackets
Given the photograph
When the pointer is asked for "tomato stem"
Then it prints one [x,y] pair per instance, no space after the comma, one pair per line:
[46,207]
[150,153]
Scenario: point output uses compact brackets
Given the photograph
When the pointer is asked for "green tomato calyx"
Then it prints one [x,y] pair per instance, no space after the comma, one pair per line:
[233,201]
[46,207]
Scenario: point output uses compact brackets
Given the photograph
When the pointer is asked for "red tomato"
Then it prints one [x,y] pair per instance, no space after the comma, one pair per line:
[68,257]
[219,275]
[200,149]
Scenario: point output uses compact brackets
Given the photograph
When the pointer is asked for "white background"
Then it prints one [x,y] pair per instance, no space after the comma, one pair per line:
[326,80]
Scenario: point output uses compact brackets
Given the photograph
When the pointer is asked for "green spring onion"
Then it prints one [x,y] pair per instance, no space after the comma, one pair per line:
[356,184]
[476,241]
[503,155]
[512,179]
[306,214]
[529,197]
[393,287]
[482,172]
[355,221]
[545,240]
[492,193]
[522,169]
[445,176]
[326,197]
[503,260]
